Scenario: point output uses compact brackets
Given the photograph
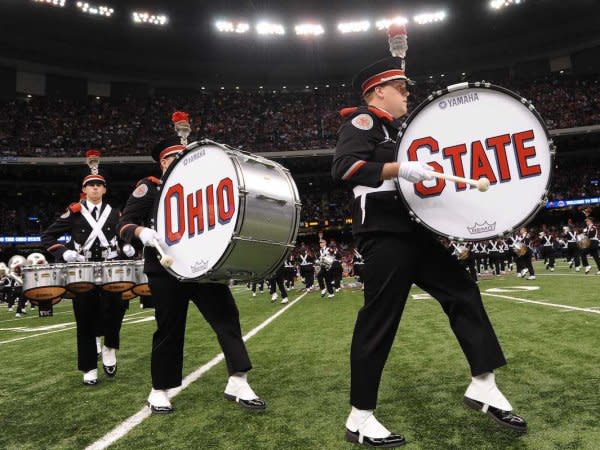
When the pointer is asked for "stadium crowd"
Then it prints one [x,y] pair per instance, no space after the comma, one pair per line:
[257,121]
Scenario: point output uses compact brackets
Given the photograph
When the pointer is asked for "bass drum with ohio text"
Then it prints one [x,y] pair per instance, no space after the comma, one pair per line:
[226,214]
[476,130]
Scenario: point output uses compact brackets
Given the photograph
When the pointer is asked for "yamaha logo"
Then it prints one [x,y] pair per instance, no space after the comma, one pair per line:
[443,104]
[485,227]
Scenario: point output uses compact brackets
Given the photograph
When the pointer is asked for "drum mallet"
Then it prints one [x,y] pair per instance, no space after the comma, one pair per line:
[165,260]
[482,184]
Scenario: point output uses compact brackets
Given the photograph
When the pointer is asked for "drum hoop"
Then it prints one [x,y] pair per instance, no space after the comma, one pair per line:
[456,88]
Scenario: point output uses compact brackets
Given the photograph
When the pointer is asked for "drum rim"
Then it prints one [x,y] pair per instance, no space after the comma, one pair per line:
[456,88]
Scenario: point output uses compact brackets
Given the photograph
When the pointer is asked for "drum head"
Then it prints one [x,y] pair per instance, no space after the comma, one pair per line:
[476,130]
[197,210]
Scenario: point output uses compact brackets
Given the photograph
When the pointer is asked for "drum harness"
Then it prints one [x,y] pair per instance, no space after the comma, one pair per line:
[387,185]
[109,251]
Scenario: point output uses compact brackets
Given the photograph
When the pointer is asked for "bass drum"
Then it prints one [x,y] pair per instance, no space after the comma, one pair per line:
[226,214]
[476,130]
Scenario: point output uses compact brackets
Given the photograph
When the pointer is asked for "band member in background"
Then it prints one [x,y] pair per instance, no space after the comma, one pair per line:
[171,296]
[592,234]
[398,253]
[92,224]
[524,265]
[548,242]
[573,251]
[15,285]
[358,266]
[494,255]
[261,287]
[290,271]
[278,281]
[306,261]
[336,271]
[324,277]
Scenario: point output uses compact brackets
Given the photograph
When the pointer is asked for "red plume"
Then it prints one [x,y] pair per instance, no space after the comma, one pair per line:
[180,116]
[91,153]
[397,29]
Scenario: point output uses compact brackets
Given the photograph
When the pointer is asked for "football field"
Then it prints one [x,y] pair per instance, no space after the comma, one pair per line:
[549,329]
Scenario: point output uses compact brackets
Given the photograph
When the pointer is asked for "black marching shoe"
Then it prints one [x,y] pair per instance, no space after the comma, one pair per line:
[110,371]
[505,418]
[256,404]
[392,441]
[158,402]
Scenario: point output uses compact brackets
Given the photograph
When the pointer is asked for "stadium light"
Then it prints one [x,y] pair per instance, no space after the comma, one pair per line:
[268,28]
[149,18]
[499,4]
[58,3]
[309,29]
[384,24]
[95,10]
[354,27]
[225,26]
[425,18]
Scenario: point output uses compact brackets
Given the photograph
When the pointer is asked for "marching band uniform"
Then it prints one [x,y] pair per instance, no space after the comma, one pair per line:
[278,281]
[358,264]
[324,277]
[306,261]
[592,233]
[548,241]
[494,255]
[93,238]
[172,297]
[290,271]
[261,287]
[573,250]
[397,254]
[336,271]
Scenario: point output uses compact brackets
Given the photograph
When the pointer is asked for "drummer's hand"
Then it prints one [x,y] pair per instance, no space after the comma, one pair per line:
[147,236]
[415,171]
[128,250]
[72,256]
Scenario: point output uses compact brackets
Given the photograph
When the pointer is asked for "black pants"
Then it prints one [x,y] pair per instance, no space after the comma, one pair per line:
[548,255]
[324,280]
[469,264]
[337,273]
[277,282]
[307,272]
[592,251]
[574,253]
[392,263]
[218,307]
[261,285]
[97,313]
[495,261]
[358,269]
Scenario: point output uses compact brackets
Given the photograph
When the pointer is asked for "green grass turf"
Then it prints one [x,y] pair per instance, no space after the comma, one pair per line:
[302,370]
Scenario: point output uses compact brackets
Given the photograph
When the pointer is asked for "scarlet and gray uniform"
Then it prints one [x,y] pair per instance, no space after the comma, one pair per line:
[592,233]
[548,242]
[172,297]
[306,261]
[398,253]
[97,312]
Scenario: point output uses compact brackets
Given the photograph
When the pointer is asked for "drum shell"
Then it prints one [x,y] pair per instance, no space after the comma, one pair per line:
[520,249]
[128,295]
[82,277]
[583,241]
[43,282]
[118,276]
[141,280]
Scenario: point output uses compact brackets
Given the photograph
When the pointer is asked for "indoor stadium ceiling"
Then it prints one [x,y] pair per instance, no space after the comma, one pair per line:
[188,48]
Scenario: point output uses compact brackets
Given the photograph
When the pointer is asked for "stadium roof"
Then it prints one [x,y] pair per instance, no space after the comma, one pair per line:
[188,47]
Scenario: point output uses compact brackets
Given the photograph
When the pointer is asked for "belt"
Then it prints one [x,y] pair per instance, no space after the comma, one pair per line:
[362,191]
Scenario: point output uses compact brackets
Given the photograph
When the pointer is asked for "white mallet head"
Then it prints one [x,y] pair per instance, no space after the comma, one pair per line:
[483,184]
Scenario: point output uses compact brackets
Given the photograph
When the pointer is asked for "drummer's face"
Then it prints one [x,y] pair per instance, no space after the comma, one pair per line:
[166,162]
[395,95]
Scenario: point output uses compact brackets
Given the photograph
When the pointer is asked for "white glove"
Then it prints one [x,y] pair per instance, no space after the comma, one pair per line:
[128,250]
[147,237]
[415,171]
[72,256]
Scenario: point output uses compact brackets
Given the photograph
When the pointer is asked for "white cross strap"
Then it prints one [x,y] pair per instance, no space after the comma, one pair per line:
[96,227]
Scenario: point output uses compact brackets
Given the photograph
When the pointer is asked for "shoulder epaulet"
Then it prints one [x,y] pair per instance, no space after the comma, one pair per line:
[381,114]
[75,207]
[152,180]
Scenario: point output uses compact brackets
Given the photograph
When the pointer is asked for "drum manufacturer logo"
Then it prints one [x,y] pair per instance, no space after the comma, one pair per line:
[199,266]
[459,100]
[194,156]
[485,227]
[198,211]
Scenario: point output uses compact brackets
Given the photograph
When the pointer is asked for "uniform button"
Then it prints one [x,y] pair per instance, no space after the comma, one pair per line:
[395,197]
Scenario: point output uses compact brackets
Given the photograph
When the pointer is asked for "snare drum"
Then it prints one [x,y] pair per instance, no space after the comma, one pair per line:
[118,276]
[476,130]
[141,280]
[128,295]
[583,241]
[82,277]
[520,249]
[43,282]
[226,214]
[54,301]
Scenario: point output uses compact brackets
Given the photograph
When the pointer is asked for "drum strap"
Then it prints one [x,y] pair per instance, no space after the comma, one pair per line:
[387,135]
[572,237]
[362,191]
[96,227]
[304,261]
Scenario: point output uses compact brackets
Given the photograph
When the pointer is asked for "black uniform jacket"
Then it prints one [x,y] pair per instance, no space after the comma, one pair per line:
[139,212]
[72,222]
[361,151]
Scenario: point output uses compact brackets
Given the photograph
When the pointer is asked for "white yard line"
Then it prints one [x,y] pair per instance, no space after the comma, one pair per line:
[125,321]
[130,423]
[537,302]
